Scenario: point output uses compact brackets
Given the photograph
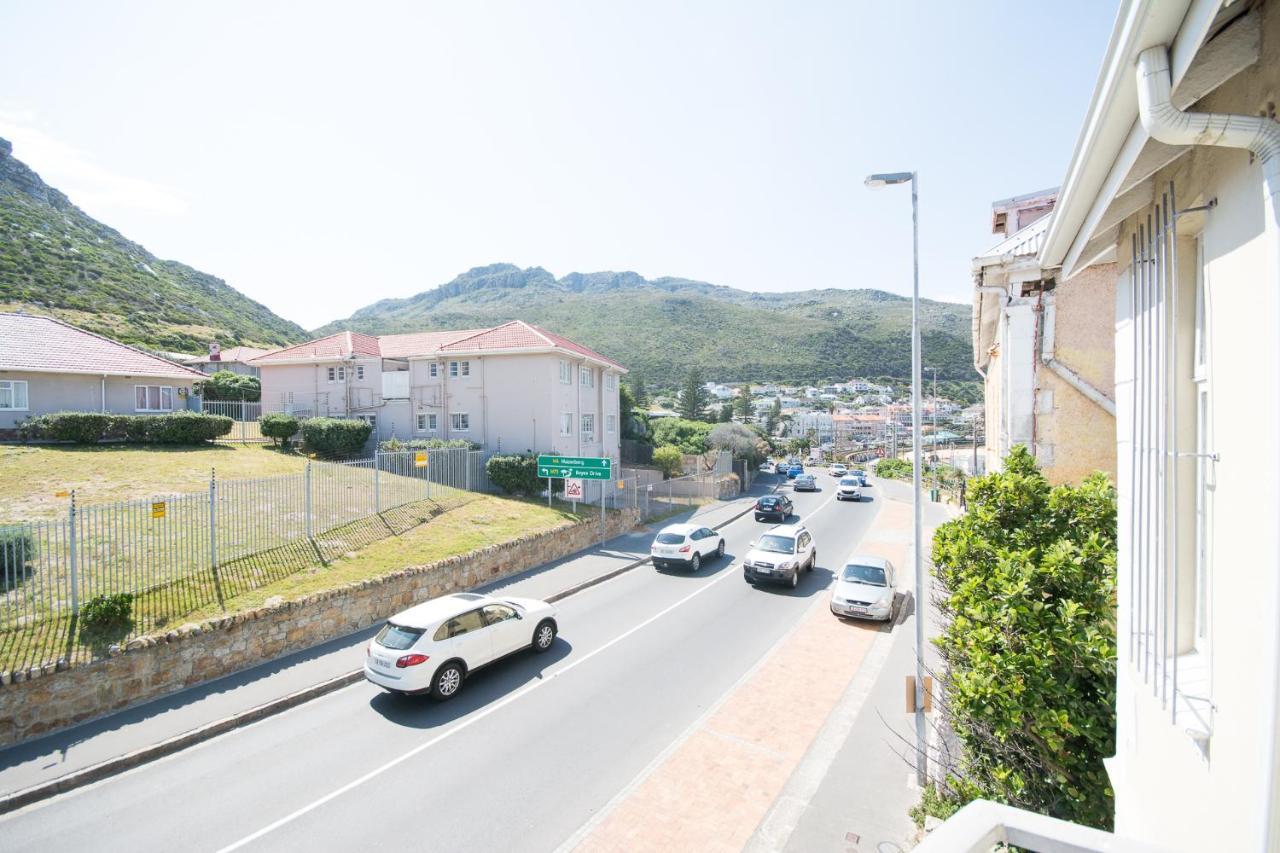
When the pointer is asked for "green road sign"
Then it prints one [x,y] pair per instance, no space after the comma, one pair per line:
[576,467]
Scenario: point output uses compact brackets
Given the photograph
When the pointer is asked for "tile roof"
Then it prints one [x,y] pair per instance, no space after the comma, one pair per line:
[515,335]
[241,354]
[29,342]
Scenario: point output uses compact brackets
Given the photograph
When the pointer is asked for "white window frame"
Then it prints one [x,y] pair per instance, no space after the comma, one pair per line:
[566,423]
[466,367]
[338,374]
[13,387]
[588,426]
[359,371]
[611,382]
[425,422]
[433,370]
[610,423]
[159,398]
[566,373]
[459,422]
[587,376]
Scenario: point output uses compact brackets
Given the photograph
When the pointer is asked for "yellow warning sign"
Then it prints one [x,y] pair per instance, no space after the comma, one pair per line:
[62,494]
[420,459]
[157,509]
[622,484]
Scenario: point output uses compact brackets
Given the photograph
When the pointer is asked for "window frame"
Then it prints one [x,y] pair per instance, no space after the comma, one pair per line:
[610,423]
[425,422]
[566,372]
[588,433]
[433,370]
[14,385]
[453,370]
[359,372]
[458,418]
[566,423]
[465,367]
[586,376]
[160,395]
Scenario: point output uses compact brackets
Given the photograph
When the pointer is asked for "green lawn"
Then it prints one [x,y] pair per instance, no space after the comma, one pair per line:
[30,476]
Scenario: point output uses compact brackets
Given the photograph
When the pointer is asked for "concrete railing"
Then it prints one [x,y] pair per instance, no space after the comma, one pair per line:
[981,825]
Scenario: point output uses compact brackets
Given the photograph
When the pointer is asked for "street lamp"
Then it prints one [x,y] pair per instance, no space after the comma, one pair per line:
[874,182]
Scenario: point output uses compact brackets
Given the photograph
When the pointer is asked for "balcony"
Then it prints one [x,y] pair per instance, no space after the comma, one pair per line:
[981,825]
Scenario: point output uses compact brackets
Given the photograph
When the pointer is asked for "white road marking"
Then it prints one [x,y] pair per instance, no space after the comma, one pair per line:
[469,721]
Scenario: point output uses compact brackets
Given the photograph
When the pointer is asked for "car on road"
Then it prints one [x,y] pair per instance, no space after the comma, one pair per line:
[795,471]
[861,477]
[806,483]
[865,588]
[432,647]
[773,506]
[848,489]
[837,470]
[685,546]
[780,555]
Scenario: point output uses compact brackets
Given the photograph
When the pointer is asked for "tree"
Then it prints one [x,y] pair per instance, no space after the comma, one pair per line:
[693,397]
[740,440]
[1029,641]
[638,392]
[742,403]
[635,424]
[688,436]
[799,446]
[773,417]
[670,460]
[725,414]
[225,385]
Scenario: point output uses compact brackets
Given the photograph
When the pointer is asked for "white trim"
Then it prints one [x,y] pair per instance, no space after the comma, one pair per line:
[160,389]
[453,422]
[13,394]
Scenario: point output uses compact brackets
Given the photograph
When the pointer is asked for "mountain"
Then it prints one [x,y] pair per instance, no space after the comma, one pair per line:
[57,260]
[659,327]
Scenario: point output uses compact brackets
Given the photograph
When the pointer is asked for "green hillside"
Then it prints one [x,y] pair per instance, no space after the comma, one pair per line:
[660,327]
[56,260]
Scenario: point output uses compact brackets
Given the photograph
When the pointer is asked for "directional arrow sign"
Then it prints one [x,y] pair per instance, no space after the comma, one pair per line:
[576,467]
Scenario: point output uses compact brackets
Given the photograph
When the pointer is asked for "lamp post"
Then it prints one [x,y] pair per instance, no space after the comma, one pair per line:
[874,182]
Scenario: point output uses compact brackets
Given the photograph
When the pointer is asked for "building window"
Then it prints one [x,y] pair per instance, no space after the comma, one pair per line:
[566,423]
[587,376]
[466,368]
[152,398]
[426,423]
[459,368]
[611,383]
[433,370]
[337,374]
[610,423]
[566,373]
[588,427]
[359,371]
[460,421]
[13,395]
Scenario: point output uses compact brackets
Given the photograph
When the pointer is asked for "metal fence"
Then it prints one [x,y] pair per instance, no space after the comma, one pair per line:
[175,553]
[245,416]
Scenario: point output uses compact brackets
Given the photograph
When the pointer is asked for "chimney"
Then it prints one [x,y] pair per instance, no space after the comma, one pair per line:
[215,351]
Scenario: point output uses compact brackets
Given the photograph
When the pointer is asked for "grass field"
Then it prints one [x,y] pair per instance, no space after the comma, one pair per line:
[31,475]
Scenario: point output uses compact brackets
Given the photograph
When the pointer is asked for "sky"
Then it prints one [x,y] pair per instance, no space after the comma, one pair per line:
[321,156]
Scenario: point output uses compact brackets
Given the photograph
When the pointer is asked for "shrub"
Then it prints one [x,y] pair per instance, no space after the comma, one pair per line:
[94,427]
[395,445]
[334,436]
[515,474]
[689,436]
[226,385]
[894,469]
[1029,640]
[184,428]
[278,427]
[742,441]
[107,614]
[670,460]
[17,551]
[77,427]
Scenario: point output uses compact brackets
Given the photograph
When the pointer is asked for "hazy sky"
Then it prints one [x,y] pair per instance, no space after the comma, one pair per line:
[320,156]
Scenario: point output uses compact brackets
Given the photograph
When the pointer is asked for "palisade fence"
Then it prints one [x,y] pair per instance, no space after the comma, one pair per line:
[245,416]
[176,553]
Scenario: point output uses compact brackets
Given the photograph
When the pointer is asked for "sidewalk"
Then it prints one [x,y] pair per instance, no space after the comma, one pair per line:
[50,758]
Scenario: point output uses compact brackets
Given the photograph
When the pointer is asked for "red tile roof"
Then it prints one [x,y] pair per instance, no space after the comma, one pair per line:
[419,343]
[43,344]
[337,345]
[240,354]
[518,335]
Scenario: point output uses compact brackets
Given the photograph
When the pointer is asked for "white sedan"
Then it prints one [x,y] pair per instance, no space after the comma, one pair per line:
[864,588]
[837,470]
[434,646]
[686,546]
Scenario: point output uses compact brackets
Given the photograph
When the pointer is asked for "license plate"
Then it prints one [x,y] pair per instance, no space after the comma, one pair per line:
[763,570]
[856,609]
[385,663]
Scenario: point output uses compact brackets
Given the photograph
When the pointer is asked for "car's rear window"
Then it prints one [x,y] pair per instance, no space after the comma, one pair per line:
[670,538]
[398,636]
[767,501]
[849,481]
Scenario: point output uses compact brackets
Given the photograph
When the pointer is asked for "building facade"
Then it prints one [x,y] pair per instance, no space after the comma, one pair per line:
[514,388]
[232,359]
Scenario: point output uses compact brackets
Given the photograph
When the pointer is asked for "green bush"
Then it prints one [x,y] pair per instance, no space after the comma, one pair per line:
[515,474]
[17,551]
[670,460]
[894,469]
[395,445]
[227,385]
[1029,640]
[185,428]
[76,427]
[107,614]
[689,436]
[278,427]
[334,436]
[94,427]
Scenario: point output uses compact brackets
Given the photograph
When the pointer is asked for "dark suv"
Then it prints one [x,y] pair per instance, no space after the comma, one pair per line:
[773,506]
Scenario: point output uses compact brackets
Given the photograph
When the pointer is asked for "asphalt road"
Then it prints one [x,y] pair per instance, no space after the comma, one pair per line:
[526,754]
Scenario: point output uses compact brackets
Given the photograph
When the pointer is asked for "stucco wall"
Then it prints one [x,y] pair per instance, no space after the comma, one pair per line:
[36,702]
[61,392]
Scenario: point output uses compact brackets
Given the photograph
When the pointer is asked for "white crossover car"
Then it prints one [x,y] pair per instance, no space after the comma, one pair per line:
[849,489]
[864,588]
[837,470]
[780,556]
[434,646]
[685,546]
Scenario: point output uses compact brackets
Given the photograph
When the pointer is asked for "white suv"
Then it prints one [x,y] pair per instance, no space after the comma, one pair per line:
[780,555]
[432,647]
[849,489]
[685,546]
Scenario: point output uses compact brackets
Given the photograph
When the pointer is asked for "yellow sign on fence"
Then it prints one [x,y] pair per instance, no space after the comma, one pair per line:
[420,460]
[622,484]
[157,509]
[62,494]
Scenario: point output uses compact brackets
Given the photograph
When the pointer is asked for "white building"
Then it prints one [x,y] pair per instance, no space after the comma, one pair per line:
[514,388]
[1176,178]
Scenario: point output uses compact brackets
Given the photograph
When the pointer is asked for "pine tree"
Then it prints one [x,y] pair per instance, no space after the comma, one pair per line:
[638,392]
[726,413]
[694,397]
[742,403]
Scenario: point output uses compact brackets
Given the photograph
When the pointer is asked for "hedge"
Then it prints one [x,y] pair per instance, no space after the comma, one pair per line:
[515,474]
[95,427]
[278,427]
[394,445]
[334,436]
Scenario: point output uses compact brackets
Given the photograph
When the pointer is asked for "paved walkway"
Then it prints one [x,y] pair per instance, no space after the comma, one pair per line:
[87,744]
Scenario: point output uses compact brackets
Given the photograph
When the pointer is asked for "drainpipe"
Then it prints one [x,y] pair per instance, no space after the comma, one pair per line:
[104,393]
[1261,136]
[1075,380]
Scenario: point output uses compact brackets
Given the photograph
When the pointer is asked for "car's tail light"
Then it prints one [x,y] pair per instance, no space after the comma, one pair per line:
[685,549]
[411,660]
[368,650]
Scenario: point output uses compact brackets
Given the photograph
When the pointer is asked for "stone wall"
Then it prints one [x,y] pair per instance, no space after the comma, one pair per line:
[40,701]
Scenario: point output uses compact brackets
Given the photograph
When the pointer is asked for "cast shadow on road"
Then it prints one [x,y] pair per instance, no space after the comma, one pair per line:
[482,688]
[713,567]
[811,584]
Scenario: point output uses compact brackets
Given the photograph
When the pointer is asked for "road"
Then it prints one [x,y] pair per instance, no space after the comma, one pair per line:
[527,753]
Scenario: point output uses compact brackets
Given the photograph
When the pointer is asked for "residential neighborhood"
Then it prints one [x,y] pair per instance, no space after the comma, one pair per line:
[916,521]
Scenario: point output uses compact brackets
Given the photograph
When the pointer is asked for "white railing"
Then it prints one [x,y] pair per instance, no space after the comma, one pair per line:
[982,825]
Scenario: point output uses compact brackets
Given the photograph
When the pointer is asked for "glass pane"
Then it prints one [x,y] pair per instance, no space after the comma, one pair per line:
[20,395]
[140,396]
[153,396]
[166,398]
[6,396]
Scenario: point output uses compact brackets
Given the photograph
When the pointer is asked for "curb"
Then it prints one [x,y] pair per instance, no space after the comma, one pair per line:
[177,743]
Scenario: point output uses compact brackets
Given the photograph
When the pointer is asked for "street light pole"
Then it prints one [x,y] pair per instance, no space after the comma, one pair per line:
[880,180]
